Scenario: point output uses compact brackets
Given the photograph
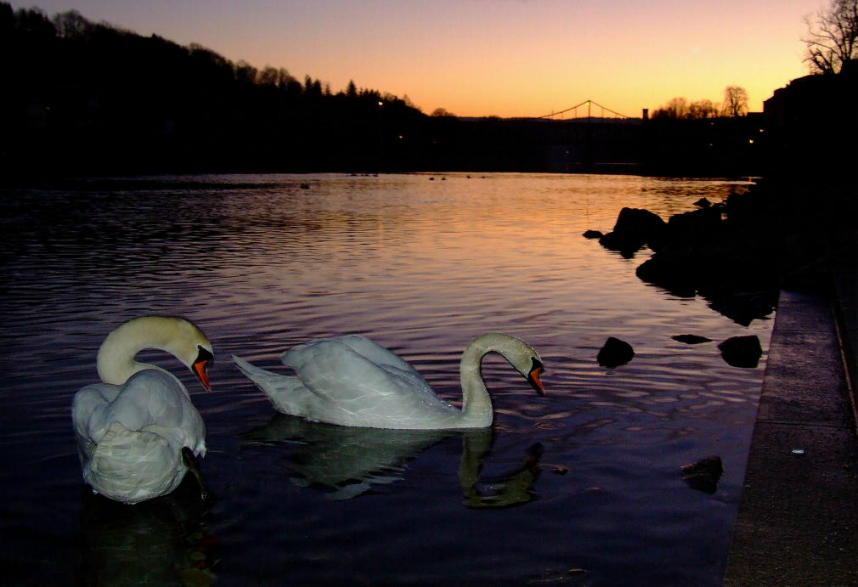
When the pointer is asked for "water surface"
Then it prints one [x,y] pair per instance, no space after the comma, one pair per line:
[580,486]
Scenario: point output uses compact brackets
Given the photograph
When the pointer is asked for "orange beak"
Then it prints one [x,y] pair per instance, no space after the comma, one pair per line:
[200,369]
[535,379]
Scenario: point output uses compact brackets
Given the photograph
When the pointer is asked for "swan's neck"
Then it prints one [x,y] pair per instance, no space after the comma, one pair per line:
[476,403]
[116,361]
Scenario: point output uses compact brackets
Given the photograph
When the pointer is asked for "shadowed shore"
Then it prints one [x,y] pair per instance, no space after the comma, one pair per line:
[798,518]
[788,245]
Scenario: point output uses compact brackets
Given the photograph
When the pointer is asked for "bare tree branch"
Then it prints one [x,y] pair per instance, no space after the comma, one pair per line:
[832,37]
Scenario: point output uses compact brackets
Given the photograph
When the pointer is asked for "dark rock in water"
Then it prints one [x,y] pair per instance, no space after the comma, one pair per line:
[674,272]
[698,228]
[633,229]
[700,253]
[593,234]
[735,254]
[742,351]
[738,254]
[627,247]
[614,353]
[637,221]
[691,338]
[704,474]
[742,307]
[722,278]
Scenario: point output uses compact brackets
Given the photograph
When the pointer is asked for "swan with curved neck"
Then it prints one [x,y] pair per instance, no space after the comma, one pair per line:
[177,336]
[352,381]
[138,432]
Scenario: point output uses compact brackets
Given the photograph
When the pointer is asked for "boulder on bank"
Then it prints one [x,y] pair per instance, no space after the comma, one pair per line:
[614,353]
[743,307]
[742,351]
[741,287]
[634,228]
[723,259]
[676,272]
[703,227]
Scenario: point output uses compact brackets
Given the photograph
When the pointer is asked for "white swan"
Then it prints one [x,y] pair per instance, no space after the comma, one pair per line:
[352,381]
[138,431]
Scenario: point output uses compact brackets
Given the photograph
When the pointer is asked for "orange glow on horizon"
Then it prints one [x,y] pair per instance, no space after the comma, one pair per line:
[496,57]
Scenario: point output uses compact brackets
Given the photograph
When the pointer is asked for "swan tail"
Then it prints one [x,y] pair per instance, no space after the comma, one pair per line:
[287,394]
[133,465]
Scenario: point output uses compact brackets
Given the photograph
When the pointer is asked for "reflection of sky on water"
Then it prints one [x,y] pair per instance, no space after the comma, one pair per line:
[421,267]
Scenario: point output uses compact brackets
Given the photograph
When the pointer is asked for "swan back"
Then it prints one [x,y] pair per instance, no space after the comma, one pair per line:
[353,381]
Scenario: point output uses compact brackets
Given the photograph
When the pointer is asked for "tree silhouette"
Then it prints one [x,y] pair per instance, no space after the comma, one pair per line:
[735,101]
[89,98]
[832,37]
[442,113]
[675,108]
[702,109]
[680,108]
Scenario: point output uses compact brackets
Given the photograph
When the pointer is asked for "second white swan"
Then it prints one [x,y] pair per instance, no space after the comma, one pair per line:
[137,431]
[352,381]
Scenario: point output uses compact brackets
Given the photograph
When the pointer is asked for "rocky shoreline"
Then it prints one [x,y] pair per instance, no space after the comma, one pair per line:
[736,254]
[740,253]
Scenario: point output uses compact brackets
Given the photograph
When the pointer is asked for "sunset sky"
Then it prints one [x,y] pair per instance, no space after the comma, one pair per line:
[494,57]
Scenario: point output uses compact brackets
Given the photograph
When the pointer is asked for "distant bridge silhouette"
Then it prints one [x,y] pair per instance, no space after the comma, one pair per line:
[589,104]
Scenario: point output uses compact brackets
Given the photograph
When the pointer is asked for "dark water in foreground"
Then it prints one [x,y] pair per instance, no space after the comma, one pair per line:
[580,486]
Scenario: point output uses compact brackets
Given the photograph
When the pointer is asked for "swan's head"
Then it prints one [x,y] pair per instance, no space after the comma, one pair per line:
[180,337]
[531,368]
[200,366]
[520,355]
[193,349]
[534,376]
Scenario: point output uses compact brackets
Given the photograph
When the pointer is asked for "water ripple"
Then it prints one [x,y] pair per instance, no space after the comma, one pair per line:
[421,267]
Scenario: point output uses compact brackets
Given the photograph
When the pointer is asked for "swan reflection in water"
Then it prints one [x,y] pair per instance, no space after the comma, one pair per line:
[163,541]
[346,462]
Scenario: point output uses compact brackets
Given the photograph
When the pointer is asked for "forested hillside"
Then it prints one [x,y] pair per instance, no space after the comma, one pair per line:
[86,97]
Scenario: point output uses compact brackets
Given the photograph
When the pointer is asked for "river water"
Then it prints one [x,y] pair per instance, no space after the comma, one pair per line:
[580,486]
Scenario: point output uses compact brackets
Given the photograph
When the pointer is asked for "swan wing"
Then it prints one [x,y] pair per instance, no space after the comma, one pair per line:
[356,382]
[130,437]
[133,465]
[377,354]
[287,393]
[88,410]
[350,368]
[148,398]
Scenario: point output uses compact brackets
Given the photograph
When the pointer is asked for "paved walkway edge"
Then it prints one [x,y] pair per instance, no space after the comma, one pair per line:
[798,517]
